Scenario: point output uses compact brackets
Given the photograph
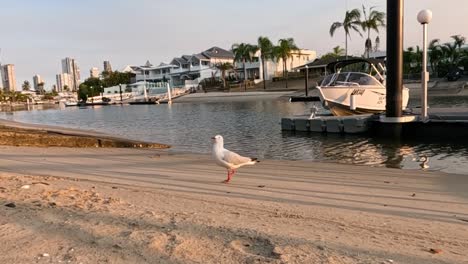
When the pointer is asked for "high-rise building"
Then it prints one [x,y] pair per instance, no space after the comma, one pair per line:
[64,82]
[69,66]
[8,78]
[107,66]
[36,81]
[94,72]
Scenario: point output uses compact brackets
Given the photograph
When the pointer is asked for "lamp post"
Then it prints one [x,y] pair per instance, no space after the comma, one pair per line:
[424,17]
[307,80]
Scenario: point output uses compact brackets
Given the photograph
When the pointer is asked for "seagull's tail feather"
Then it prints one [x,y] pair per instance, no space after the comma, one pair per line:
[254,160]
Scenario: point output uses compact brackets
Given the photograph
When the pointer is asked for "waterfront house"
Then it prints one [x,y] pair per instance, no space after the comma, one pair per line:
[153,74]
[273,68]
[197,67]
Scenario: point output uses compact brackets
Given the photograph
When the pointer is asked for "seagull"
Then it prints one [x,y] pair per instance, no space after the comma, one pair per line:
[424,161]
[228,159]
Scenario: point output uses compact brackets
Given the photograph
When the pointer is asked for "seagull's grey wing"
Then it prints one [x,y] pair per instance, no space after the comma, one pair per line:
[234,158]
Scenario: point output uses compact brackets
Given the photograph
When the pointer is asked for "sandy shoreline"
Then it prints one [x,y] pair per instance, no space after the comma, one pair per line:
[22,134]
[97,205]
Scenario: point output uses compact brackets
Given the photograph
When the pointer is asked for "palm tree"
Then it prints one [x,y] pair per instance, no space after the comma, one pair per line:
[408,58]
[377,44]
[450,51]
[435,55]
[224,67]
[459,41]
[352,21]
[244,52]
[266,48]
[338,51]
[26,86]
[283,51]
[373,21]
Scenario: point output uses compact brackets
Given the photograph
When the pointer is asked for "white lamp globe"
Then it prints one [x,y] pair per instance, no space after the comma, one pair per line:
[425,16]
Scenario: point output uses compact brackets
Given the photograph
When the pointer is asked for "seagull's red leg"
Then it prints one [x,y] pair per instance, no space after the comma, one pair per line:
[232,173]
[229,174]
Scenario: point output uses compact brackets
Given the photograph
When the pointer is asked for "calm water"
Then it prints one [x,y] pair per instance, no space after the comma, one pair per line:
[251,126]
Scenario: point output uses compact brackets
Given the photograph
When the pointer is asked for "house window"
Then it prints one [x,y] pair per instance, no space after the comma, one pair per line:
[205,63]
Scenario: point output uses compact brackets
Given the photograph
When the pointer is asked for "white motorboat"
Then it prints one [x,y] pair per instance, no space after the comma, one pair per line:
[356,86]
[71,103]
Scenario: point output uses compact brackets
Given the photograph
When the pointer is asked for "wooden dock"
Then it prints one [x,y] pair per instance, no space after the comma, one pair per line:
[443,123]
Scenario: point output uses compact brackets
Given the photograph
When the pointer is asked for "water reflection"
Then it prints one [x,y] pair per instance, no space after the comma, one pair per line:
[250,126]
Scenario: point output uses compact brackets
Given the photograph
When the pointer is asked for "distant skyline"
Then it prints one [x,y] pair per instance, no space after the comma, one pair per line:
[37,35]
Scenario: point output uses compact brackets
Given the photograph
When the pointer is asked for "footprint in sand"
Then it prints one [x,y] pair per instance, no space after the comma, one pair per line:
[255,246]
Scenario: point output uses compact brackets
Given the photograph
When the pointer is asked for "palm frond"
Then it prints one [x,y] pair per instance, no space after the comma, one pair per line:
[334,27]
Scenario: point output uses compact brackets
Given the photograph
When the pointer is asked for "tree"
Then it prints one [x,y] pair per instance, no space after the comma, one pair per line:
[83,92]
[40,86]
[283,51]
[458,41]
[352,21]
[224,67]
[412,59]
[335,53]
[96,84]
[114,78]
[373,21]
[26,86]
[244,52]
[266,48]
[377,44]
[453,51]
[338,51]
[436,54]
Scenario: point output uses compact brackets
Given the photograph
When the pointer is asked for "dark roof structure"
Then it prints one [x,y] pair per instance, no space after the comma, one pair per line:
[334,66]
[322,63]
[216,52]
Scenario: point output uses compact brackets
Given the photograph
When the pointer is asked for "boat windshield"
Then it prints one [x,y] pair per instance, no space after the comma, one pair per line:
[362,79]
[350,79]
[326,81]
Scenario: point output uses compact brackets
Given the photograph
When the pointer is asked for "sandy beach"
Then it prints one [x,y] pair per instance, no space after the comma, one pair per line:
[114,205]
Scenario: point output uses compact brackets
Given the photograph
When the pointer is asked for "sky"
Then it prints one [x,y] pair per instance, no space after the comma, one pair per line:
[36,34]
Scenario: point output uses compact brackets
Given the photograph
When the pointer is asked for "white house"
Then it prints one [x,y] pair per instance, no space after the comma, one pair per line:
[199,66]
[273,68]
[150,73]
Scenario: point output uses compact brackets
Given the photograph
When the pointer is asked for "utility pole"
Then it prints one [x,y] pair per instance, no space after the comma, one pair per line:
[394,58]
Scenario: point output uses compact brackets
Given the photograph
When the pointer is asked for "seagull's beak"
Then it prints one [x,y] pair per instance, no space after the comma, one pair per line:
[213,138]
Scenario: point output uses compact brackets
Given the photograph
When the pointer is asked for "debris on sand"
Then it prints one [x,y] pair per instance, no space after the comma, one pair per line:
[11,205]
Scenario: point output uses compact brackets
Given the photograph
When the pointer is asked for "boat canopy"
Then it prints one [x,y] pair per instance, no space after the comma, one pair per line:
[350,79]
[335,66]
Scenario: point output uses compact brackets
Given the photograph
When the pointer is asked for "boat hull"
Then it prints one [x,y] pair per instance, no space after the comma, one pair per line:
[344,110]
[367,100]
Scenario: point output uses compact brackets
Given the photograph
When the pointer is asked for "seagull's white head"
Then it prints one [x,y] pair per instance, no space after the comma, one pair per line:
[218,140]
